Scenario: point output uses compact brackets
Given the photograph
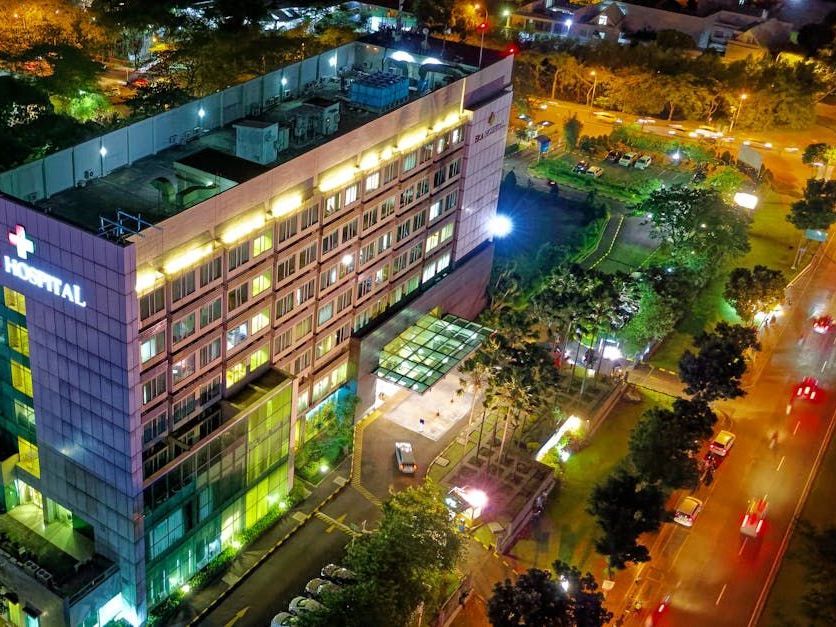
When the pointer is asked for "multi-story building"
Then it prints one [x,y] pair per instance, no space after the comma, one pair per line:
[180,295]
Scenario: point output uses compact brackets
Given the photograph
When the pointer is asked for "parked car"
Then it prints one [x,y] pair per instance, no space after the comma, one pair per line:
[645,121]
[581,167]
[338,574]
[756,143]
[405,458]
[316,587]
[524,117]
[628,159]
[687,510]
[722,443]
[546,124]
[613,156]
[595,171]
[642,162]
[284,619]
[304,605]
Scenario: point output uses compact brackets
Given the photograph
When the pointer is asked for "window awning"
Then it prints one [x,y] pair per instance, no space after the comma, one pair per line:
[428,350]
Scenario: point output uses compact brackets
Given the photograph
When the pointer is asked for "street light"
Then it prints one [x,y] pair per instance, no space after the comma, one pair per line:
[737,113]
[506,13]
[594,75]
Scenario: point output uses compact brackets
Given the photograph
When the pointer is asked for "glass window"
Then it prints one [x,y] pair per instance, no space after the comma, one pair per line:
[435,210]
[307,255]
[326,312]
[262,282]
[150,303]
[387,207]
[236,335]
[210,391]
[153,388]
[344,300]
[152,347]
[369,218]
[21,378]
[239,255]
[384,242]
[330,241]
[183,328]
[263,242]
[324,346]
[183,369]
[24,413]
[288,227]
[259,357]
[18,338]
[302,328]
[390,172]
[210,312]
[260,320]
[154,428]
[305,292]
[351,194]
[284,305]
[418,220]
[310,216]
[210,271]
[238,296]
[182,286]
[332,204]
[17,301]
[404,230]
[283,341]
[285,268]
[235,374]
[372,181]
[454,168]
[349,231]
[457,135]
[410,161]
[210,352]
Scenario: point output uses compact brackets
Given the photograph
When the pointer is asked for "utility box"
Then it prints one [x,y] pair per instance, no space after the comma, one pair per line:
[259,141]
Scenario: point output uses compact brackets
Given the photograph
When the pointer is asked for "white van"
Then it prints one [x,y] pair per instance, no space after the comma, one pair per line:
[405,457]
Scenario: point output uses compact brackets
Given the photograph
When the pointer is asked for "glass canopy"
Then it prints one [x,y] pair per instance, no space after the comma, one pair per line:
[428,350]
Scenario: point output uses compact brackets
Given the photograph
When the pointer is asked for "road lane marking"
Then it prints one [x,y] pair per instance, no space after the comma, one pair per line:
[781,463]
[241,613]
[742,546]
[797,424]
[824,365]
[722,592]
[339,519]
[789,408]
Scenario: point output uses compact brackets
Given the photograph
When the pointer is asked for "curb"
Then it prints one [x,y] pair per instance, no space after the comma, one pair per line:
[612,243]
[586,256]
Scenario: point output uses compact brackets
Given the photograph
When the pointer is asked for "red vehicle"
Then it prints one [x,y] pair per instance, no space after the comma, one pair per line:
[822,324]
[754,517]
[808,389]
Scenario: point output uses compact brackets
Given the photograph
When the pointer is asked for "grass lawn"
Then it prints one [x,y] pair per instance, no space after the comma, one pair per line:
[783,606]
[624,257]
[772,240]
[566,531]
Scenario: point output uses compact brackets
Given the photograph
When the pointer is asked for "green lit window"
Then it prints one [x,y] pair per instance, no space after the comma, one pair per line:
[15,301]
[24,413]
[260,320]
[18,338]
[235,374]
[263,242]
[259,357]
[262,282]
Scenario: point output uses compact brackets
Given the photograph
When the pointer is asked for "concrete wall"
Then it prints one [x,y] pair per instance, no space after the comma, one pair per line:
[85,380]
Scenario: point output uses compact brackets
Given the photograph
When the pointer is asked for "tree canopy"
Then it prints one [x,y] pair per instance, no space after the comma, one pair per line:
[751,291]
[817,209]
[717,368]
[536,598]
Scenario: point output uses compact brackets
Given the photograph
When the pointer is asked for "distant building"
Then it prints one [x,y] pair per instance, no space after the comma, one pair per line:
[621,22]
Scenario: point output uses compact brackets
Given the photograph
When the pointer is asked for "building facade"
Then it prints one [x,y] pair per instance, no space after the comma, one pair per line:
[182,295]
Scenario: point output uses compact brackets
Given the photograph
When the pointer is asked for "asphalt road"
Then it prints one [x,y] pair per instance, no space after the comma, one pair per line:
[714,574]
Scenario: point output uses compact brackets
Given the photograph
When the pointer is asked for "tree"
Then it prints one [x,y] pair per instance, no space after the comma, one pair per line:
[399,564]
[817,35]
[157,97]
[817,153]
[655,319]
[696,222]
[669,38]
[625,507]
[568,600]
[716,370]
[751,291]
[817,209]
[664,443]
[818,553]
[572,131]
[434,14]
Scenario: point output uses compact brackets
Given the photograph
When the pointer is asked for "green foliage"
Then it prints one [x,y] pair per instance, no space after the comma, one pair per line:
[664,443]
[335,423]
[817,209]
[625,507]
[560,170]
[816,153]
[751,291]
[572,131]
[434,14]
[400,565]
[632,136]
[655,319]
[818,553]
[696,223]
[716,369]
[535,598]
[727,180]
[157,97]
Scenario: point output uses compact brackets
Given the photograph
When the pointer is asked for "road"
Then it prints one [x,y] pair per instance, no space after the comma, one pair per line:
[714,574]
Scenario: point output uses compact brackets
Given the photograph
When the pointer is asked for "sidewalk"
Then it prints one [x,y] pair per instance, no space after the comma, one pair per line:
[196,604]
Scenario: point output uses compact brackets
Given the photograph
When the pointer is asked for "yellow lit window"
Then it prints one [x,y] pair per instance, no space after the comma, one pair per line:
[18,338]
[29,459]
[15,301]
[259,357]
[262,282]
[21,378]
[235,374]
[260,320]
[263,242]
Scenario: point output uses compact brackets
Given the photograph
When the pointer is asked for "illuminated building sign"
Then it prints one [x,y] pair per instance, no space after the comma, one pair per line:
[35,276]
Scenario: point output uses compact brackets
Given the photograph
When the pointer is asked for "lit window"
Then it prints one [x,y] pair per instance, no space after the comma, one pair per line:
[351,194]
[236,335]
[262,282]
[183,328]
[152,347]
[235,374]
[602,20]
[21,378]
[29,458]
[259,357]
[15,301]
[263,242]
[260,320]
[18,338]
[372,181]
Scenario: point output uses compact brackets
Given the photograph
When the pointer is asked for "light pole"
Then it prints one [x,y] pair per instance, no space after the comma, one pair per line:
[737,113]
[506,13]
[482,27]
[594,75]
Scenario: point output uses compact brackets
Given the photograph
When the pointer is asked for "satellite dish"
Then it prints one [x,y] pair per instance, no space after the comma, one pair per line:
[425,30]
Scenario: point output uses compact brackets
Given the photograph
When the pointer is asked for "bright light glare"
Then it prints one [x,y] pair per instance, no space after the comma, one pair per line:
[400,55]
[676,156]
[476,498]
[103,151]
[565,455]
[500,226]
[572,423]
[612,352]
[201,113]
[347,259]
[323,468]
[564,584]
[568,23]
[747,201]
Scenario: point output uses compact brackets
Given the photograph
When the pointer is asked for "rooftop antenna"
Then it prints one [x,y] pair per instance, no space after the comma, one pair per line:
[125,225]
[425,44]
